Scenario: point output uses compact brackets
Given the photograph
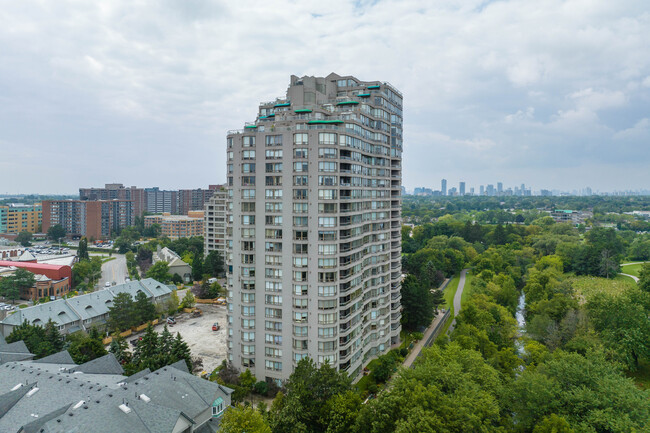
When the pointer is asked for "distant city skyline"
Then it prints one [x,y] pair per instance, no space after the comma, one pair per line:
[551,93]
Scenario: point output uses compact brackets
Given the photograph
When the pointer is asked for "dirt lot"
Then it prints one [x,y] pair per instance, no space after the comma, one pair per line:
[198,334]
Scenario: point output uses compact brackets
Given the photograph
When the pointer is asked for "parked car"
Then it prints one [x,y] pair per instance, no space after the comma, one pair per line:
[171,321]
[215,326]
[108,284]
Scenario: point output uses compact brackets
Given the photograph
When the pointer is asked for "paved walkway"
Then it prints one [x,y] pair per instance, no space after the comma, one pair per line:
[631,276]
[427,334]
[458,296]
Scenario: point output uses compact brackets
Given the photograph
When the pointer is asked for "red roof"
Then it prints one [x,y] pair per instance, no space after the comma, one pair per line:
[55,272]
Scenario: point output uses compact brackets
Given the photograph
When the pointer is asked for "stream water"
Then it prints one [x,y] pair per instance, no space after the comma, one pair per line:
[521,322]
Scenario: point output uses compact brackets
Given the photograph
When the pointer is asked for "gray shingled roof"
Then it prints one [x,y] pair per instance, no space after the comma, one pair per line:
[137,376]
[2,341]
[62,357]
[15,347]
[35,426]
[58,311]
[106,364]
[180,365]
[9,399]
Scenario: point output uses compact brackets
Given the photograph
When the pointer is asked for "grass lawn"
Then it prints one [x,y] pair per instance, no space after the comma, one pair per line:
[586,286]
[450,292]
[632,269]
[467,291]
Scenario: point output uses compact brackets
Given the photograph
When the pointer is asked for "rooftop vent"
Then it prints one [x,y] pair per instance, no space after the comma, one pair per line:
[32,391]
[78,405]
[16,387]
[143,397]
[124,408]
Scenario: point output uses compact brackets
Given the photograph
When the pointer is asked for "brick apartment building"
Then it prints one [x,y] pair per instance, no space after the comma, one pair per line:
[93,219]
[112,191]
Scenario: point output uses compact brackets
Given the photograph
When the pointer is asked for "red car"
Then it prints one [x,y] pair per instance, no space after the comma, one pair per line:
[215,326]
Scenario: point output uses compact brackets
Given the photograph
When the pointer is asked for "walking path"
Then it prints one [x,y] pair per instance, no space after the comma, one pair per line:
[631,276]
[457,298]
[437,322]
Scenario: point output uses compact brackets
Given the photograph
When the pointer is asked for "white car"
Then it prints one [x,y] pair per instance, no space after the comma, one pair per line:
[108,284]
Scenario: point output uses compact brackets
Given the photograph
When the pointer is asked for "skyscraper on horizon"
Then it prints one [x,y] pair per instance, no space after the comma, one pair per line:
[443,187]
[461,188]
[313,245]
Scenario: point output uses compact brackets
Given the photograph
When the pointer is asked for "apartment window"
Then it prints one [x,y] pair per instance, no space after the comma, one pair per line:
[273,260]
[300,316]
[301,180]
[248,259]
[248,271]
[248,180]
[247,232]
[300,248]
[248,284]
[300,139]
[230,168]
[272,273]
[273,299]
[273,365]
[273,233]
[248,168]
[327,250]
[300,167]
[248,206]
[326,290]
[300,289]
[274,140]
[326,277]
[300,194]
[300,207]
[326,221]
[326,318]
[297,357]
[269,325]
[299,235]
[326,138]
[273,194]
[327,152]
[273,286]
[300,262]
[273,167]
[273,207]
[248,337]
[248,362]
[247,310]
[329,359]
[247,194]
[273,313]
[248,323]
[248,245]
[327,180]
[273,247]
[300,221]
[272,352]
[300,304]
[248,141]
[300,153]
[273,220]
[299,331]
[231,156]
[327,166]
[248,349]
[273,180]
[327,304]
[248,154]
[248,220]
[326,346]
[326,263]
[274,154]
[299,276]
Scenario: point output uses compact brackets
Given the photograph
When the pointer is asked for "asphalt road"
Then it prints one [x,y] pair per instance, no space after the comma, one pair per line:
[114,270]
[457,297]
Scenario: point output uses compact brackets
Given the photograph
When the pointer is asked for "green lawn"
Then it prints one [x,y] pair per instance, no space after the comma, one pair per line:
[586,286]
[467,291]
[632,269]
[450,292]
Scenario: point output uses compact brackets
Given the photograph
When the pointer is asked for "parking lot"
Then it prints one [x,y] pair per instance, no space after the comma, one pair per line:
[198,334]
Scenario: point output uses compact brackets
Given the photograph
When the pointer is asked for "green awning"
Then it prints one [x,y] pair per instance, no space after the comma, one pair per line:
[363,95]
[263,117]
[373,87]
[348,103]
[250,126]
[324,122]
[284,104]
[271,115]
[303,110]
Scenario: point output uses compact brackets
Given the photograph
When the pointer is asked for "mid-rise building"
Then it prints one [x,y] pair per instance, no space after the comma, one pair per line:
[158,201]
[177,226]
[214,224]
[194,199]
[18,217]
[92,219]
[313,237]
[112,191]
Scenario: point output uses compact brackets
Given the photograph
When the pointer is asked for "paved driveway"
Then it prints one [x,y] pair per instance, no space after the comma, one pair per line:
[114,270]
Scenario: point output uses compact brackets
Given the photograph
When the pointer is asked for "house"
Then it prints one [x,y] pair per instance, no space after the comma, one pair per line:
[53,394]
[176,265]
[84,311]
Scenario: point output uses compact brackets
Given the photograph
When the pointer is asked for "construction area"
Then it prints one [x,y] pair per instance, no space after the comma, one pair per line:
[197,332]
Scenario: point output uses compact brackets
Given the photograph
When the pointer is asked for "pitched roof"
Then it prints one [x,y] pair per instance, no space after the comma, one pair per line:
[35,426]
[180,365]
[9,399]
[26,257]
[62,357]
[15,347]
[106,364]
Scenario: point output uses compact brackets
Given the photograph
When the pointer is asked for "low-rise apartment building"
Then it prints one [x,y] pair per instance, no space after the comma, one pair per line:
[177,226]
[18,217]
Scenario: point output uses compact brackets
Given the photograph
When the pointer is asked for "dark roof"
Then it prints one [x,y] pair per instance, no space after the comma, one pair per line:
[180,365]
[106,364]
[2,341]
[15,347]
[62,357]
[35,426]
[16,351]
[137,376]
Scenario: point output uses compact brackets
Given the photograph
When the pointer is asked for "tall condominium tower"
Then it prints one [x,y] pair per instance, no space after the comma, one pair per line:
[443,186]
[314,241]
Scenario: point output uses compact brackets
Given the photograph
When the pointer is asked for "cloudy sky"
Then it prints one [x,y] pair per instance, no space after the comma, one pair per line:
[555,94]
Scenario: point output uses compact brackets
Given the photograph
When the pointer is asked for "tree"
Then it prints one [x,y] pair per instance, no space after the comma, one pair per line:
[159,272]
[243,419]
[143,309]
[644,278]
[213,264]
[56,232]
[86,273]
[11,286]
[197,268]
[147,349]
[41,341]
[82,252]
[188,300]
[172,303]
[24,238]
[180,350]
[120,348]
[85,347]
[121,314]
[418,304]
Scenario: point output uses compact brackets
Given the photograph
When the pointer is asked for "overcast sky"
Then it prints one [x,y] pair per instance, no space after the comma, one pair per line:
[554,94]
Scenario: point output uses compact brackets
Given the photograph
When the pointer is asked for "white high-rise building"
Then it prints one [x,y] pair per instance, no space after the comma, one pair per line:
[214,225]
[314,236]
